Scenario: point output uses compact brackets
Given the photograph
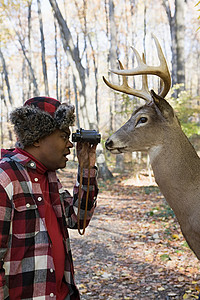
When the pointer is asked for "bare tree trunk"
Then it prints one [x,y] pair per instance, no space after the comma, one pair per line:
[74,58]
[36,90]
[68,43]
[126,33]
[5,130]
[198,72]
[23,80]
[96,81]
[145,27]
[56,56]
[85,35]
[108,58]
[113,60]
[177,30]
[103,170]
[113,45]
[5,71]
[172,24]
[82,13]
[133,24]
[44,66]
[76,102]
[60,88]
[180,33]
[30,48]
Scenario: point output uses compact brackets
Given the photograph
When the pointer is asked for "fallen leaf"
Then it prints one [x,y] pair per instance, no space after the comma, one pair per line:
[160,289]
[181,278]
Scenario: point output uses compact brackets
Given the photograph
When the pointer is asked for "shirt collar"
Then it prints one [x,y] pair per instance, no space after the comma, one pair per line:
[33,162]
[24,158]
[13,155]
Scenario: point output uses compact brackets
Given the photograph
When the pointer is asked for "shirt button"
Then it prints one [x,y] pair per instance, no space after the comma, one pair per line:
[28,205]
[36,179]
[51,270]
[32,164]
[39,198]
[52,295]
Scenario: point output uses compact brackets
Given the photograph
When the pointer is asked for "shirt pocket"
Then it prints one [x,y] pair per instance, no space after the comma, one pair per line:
[26,220]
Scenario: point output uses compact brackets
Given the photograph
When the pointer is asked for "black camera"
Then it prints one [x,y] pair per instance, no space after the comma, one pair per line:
[90,136]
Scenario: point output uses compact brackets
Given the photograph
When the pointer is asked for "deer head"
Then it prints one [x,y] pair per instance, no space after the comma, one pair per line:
[147,125]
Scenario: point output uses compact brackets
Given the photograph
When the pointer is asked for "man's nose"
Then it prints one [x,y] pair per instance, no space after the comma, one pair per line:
[69,145]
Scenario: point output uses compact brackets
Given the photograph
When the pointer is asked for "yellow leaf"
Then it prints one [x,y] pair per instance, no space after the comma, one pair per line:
[81,285]
[186,296]
[175,236]
[83,288]
[197,288]
[160,270]
[160,289]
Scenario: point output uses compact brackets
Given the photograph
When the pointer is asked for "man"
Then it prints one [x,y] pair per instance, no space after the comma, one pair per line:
[35,212]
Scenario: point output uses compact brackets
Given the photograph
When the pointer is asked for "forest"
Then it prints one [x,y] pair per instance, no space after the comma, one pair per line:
[62,49]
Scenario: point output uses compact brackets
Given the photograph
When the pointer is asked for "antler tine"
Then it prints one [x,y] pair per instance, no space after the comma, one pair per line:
[125,82]
[166,78]
[144,77]
[125,88]
[138,58]
[142,69]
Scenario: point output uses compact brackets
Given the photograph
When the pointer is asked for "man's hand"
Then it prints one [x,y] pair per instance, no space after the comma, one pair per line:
[86,153]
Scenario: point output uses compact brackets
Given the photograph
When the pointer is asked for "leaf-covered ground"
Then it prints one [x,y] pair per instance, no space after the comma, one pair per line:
[133,248]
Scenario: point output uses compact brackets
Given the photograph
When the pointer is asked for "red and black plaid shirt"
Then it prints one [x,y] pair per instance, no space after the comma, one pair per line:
[26,261]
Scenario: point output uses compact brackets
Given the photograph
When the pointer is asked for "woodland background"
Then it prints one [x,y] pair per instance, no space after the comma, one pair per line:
[63,48]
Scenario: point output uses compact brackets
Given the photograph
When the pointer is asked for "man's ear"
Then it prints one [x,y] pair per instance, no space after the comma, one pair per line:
[163,106]
[36,143]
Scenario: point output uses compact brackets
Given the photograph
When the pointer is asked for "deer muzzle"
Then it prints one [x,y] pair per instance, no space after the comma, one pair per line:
[113,148]
[109,144]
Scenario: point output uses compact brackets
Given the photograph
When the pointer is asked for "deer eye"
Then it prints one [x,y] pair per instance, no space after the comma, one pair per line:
[142,120]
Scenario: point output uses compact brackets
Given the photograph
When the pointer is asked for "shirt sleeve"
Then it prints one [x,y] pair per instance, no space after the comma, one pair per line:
[5,218]
[72,204]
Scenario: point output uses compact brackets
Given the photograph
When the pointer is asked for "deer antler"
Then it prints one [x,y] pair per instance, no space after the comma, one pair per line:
[125,88]
[143,69]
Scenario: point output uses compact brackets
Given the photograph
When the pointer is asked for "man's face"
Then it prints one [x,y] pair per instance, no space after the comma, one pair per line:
[54,148]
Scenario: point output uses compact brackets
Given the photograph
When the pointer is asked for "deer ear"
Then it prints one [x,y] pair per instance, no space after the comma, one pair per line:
[163,106]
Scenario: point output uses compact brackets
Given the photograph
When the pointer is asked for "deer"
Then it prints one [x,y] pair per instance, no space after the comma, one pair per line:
[155,129]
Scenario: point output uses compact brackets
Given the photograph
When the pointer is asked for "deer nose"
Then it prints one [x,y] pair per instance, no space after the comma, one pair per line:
[108,144]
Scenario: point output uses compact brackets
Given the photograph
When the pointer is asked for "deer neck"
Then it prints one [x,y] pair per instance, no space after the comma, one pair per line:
[176,168]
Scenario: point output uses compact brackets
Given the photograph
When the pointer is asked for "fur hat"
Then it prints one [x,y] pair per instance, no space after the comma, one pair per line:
[39,117]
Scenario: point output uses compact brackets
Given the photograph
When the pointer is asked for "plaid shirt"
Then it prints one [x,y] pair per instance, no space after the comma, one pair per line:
[26,262]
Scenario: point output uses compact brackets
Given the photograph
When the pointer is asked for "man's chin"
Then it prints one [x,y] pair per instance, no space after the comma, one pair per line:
[61,166]
[64,164]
